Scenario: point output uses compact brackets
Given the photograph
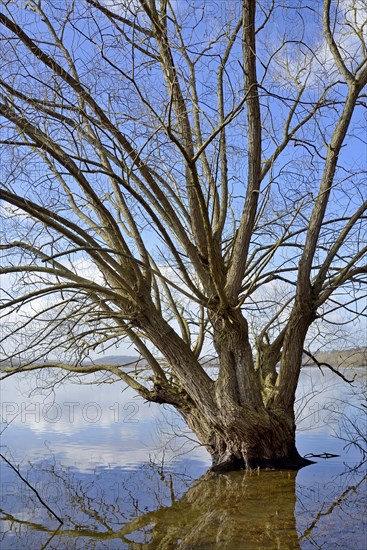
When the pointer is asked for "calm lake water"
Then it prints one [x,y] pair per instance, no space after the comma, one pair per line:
[122,473]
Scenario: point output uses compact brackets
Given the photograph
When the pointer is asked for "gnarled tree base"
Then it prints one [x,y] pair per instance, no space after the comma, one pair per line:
[291,462]
[244,439]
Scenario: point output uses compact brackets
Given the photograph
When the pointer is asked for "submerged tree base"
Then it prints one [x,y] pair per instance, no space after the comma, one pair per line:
[295,462]
[267,442]
[243,438]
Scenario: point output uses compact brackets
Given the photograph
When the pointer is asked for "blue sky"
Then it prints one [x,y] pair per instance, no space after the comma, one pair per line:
[294,177]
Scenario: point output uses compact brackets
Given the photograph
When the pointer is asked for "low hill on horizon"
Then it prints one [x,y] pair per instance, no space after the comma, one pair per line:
[114,360]
[347,358]
[355,357]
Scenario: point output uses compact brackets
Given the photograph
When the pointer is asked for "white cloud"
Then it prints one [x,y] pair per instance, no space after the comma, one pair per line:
[313,63]
[10,211]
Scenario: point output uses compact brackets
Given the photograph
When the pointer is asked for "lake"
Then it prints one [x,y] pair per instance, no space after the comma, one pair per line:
[122,473]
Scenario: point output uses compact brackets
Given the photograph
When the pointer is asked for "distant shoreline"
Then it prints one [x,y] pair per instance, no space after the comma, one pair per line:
[349,358]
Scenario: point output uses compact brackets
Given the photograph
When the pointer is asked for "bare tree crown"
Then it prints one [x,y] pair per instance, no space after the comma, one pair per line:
[180,173]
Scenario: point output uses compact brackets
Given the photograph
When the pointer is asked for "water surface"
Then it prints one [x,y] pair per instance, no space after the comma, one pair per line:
[122,473]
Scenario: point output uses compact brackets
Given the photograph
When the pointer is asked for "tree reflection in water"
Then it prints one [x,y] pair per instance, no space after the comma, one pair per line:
[254,510]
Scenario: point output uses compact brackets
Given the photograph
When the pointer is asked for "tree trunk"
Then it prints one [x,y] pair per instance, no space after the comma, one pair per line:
[245,438]
[229,416]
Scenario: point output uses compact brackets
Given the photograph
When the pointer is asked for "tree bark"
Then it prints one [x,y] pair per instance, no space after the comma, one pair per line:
[244,438]
[229,416]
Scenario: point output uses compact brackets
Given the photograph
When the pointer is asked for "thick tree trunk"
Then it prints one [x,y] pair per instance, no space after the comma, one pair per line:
[256,446]
[248,439]
[229,416]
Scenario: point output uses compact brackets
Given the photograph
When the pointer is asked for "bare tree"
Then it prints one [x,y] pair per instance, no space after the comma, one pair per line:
[176,174]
